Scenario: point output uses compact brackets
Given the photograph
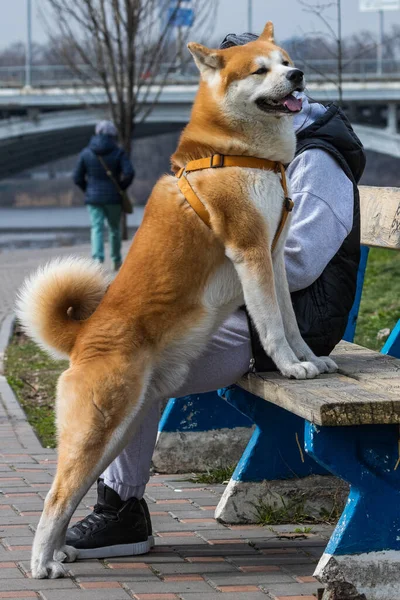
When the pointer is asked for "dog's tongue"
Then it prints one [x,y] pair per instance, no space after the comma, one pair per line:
[293,104]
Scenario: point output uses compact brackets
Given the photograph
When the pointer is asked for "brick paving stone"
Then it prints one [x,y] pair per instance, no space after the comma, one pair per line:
[155,596]
[294,598]
[13,585]
[259,568]
[198,567]
[99,585]
[109,594]
[129,565]
[238,588]
[12,573]
[294,589]
[154,557]
[180,534]
[206,559]
[108,575]
[227,596]
[18,595]
[266,578]
[232,550]
[169,587]
[193,577]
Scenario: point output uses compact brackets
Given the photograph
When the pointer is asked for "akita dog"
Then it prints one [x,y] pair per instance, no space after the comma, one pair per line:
[208,244]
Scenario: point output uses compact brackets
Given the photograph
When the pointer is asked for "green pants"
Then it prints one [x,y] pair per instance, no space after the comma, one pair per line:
[112,214]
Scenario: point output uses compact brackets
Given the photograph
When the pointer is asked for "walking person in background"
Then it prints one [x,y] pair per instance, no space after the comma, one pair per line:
[103,172]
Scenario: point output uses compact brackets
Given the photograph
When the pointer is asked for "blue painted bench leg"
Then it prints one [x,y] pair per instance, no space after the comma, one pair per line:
[352,320]
[275,452]
[200,432]
[392,345]
[364,550]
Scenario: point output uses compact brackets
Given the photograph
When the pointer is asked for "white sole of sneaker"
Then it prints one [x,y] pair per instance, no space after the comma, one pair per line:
[117,550]
[151,541]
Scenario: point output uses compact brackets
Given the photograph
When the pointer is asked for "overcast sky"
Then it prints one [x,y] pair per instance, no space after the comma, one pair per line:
[287,15]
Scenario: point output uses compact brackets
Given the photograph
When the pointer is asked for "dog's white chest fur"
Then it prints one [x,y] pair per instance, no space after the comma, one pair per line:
[224,290]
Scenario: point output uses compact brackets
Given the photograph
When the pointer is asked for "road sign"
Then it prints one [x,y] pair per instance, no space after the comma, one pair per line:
[180,14]
[375,5]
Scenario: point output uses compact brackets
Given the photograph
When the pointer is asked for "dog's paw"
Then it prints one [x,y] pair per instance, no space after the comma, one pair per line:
[66,554]
[330,365]
[53,569]
[300,370]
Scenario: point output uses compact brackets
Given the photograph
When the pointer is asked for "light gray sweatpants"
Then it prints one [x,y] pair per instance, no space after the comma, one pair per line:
[226,358]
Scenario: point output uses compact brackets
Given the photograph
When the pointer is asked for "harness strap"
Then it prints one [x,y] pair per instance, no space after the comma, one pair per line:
[286,209]
[194,200]
[217,161]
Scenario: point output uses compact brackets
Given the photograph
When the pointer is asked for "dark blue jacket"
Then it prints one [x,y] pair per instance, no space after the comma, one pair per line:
[91,177]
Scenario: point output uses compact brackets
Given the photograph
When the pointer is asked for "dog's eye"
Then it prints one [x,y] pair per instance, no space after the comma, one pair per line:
[261,71]
[286,63]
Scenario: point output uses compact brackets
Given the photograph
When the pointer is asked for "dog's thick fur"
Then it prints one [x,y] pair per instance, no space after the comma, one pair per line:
[132,343]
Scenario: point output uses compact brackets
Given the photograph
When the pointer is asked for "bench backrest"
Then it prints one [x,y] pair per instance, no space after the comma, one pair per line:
[380,228]
[380,217]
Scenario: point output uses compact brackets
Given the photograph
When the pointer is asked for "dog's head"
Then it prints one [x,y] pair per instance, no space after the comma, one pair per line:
[256,80]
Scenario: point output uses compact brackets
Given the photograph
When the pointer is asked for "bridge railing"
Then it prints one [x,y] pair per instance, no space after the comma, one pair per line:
[316,70]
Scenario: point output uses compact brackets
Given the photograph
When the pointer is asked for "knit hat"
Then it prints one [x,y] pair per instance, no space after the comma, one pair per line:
[233,39]
[106,128]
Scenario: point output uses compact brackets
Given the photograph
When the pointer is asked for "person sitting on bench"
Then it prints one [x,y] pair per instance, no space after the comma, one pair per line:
[322,256]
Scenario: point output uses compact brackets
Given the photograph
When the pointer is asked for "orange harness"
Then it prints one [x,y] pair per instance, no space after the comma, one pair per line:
[218,161]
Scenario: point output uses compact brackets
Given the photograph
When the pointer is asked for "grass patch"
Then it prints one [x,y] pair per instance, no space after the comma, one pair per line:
[380,302]
[33,377]
[217,475]
[303,530]
[293,512]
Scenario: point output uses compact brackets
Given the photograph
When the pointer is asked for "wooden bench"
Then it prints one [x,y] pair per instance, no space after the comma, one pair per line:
[346,424]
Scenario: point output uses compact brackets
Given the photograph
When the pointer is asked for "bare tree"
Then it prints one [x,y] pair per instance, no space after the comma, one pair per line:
[329,42]
[332,29]
[126,47]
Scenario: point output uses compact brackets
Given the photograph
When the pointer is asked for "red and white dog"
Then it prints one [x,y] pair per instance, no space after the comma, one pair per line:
[130,343]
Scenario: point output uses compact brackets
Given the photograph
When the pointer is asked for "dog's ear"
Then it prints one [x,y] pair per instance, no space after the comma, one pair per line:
[268,33]
[207,60]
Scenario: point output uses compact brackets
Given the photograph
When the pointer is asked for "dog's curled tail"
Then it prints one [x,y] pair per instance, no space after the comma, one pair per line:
[54,301]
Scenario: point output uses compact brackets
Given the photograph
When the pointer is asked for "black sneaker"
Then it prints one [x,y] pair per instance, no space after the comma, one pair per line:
[114,528]
[148,522]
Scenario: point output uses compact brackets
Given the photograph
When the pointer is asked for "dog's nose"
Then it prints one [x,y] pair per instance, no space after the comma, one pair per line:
[295,76]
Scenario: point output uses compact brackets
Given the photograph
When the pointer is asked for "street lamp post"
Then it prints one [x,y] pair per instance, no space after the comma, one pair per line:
[250,16]
[379,50]
[28,53]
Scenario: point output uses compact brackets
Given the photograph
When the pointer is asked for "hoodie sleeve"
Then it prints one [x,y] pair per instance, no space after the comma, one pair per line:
[127,171]
[80,173]
[322,217]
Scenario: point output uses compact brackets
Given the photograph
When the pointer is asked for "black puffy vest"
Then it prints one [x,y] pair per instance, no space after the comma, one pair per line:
[322,309]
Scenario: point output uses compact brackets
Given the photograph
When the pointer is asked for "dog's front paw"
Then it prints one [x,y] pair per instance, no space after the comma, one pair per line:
[330,365]
[66,554]
[53,569]
[300,370]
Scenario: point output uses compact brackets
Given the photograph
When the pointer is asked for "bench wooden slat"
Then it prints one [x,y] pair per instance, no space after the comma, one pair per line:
[380,217]
[365,391]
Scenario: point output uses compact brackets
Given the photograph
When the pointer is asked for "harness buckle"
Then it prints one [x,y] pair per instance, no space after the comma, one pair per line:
[220,163]
[288,204]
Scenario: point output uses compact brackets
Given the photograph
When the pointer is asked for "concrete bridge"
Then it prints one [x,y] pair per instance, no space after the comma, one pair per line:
[38,125]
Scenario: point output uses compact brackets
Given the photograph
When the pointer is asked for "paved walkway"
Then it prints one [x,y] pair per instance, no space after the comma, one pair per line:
[195,558]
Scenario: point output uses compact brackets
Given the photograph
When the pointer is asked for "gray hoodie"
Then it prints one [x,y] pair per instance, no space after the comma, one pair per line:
[323,208]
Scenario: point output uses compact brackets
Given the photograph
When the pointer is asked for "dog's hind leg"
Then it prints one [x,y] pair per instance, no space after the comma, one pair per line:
[98,410]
